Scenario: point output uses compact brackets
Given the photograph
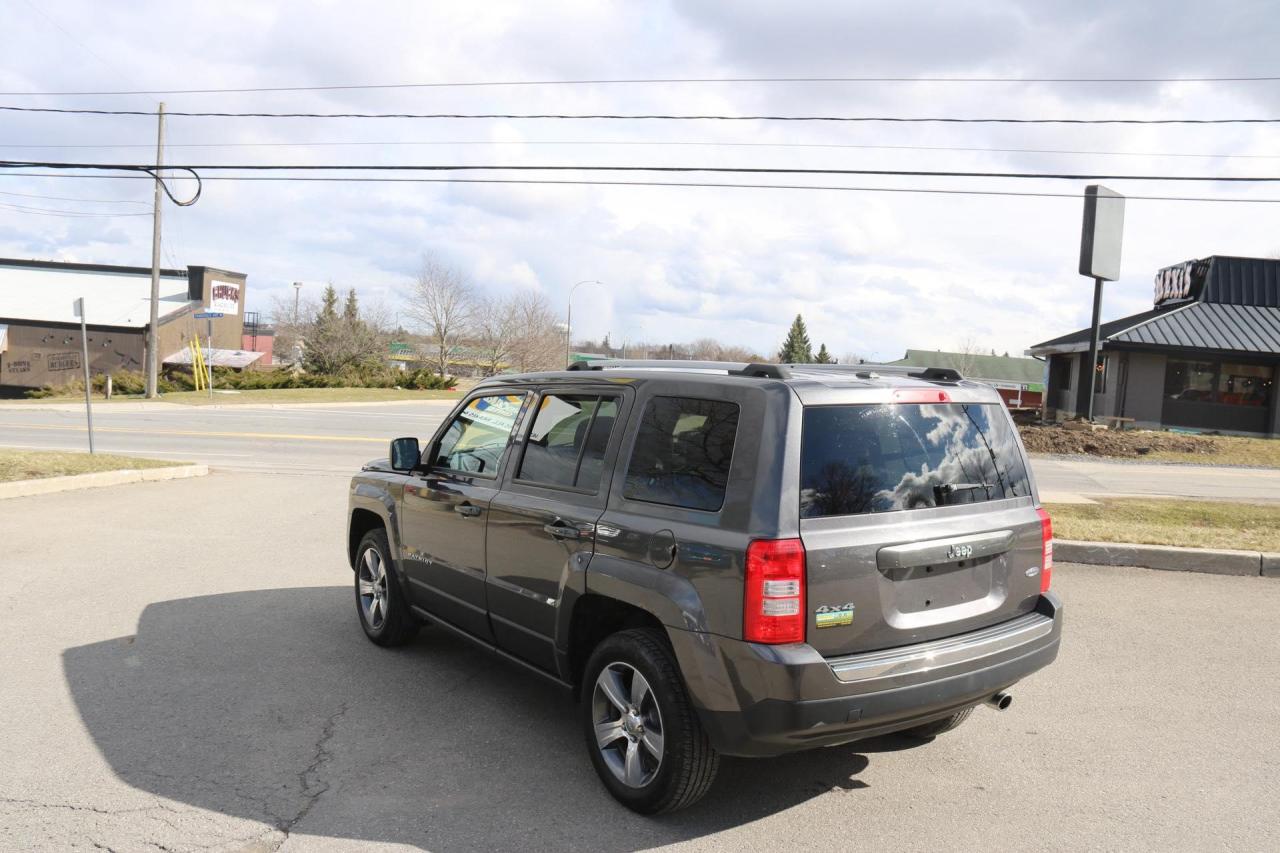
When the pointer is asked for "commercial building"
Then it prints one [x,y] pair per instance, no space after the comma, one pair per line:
[1204,357]
[40,334]
[1019,380]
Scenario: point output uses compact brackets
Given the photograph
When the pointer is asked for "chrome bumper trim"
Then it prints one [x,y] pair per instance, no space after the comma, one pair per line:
[942,653]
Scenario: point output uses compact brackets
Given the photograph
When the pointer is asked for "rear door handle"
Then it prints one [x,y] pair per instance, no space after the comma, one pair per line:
[561,531]
[467,510]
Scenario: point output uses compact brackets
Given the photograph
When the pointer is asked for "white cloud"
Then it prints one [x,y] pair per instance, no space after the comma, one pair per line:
[873,273]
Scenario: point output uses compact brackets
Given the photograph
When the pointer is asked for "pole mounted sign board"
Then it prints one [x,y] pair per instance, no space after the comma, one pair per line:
[1102,234]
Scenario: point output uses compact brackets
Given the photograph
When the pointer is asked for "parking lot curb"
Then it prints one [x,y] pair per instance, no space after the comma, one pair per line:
[49,485]
[1206,560]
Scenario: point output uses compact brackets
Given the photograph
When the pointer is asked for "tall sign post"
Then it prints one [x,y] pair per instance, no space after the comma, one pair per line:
[1101,237]
[210,316]
[78,308]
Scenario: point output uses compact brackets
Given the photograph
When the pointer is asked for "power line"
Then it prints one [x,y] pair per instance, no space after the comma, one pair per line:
[656,117]
[645,81]
[65,198]
[48,211]
[749,170]
[652,143]
[599,183]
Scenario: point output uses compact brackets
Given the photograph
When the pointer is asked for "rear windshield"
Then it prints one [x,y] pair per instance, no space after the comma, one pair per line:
[880,458]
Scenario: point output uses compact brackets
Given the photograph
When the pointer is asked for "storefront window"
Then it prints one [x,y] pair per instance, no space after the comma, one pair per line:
[1190,380]
[1244,384]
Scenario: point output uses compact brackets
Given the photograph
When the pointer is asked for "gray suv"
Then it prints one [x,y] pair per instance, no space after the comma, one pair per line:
[737,559]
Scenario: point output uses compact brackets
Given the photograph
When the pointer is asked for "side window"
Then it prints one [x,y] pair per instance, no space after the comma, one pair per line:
[476,438]
[567,441]
[682,453]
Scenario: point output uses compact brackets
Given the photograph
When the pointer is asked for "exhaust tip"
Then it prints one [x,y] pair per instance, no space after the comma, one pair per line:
[1000,701]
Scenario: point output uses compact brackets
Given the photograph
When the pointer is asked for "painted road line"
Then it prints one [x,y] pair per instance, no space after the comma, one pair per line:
[282,436]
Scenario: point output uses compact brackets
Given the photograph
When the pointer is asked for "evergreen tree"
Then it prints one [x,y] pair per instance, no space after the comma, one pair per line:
[796,349]
[823,357]
[351,310]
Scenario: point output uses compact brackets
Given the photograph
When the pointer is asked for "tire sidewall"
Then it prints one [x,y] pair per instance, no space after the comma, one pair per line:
[376,539]
[617,649]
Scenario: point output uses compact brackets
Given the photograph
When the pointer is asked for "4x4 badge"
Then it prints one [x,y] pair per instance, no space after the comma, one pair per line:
[827,616]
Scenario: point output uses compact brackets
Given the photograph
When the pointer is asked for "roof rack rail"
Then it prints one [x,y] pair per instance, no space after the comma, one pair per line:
[734,368]
[864,370]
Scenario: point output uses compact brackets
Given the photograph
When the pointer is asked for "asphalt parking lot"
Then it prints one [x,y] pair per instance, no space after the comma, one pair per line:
[183,670]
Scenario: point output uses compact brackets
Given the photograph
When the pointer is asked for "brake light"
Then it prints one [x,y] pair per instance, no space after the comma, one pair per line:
[1046,552]
[920,395]
[773,603]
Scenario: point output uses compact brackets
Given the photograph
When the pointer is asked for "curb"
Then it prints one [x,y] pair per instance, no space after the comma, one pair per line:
[49,485]
[1208,561]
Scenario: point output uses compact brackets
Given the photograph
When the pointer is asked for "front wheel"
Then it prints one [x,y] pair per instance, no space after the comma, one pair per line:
[384,614]
[642,732]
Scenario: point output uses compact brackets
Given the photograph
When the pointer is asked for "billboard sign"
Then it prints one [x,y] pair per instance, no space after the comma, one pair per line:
[1102,233]
[224,297]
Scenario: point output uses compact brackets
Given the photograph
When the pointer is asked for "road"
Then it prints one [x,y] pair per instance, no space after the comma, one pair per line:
[328,438]
[183,670]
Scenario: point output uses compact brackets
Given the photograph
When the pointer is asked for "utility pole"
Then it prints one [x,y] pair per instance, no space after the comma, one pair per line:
[153,357]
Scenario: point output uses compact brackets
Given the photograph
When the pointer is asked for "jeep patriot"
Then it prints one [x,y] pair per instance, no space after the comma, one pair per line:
[736,559]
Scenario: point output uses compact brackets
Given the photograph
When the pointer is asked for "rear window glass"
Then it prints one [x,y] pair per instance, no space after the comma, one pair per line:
[862,459]
[682,453]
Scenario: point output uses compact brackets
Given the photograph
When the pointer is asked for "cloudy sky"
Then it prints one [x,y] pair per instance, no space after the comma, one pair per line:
[873,272]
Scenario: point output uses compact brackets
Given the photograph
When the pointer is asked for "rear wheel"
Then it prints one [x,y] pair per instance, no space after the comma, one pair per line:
[937,727]
[642,733]
[384,614]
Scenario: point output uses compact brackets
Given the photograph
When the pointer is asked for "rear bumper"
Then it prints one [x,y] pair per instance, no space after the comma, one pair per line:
[756,700]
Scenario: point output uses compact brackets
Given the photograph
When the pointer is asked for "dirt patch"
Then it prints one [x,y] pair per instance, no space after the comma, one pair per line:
[1125,444]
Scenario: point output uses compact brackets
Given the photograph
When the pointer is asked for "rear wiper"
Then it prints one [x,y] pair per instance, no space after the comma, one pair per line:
[941,493]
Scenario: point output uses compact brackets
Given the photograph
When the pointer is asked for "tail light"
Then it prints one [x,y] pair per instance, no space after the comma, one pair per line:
[1046,554]
[773,604]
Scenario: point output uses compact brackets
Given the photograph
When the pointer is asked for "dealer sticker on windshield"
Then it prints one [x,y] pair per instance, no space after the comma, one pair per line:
[833,617]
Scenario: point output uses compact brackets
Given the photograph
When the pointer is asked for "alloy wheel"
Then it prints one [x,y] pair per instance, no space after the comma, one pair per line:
[372,583]
[628,724]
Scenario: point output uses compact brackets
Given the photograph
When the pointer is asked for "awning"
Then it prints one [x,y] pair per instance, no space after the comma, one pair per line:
[237,358]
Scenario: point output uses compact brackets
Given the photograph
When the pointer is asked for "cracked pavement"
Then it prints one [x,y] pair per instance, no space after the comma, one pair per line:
[182,671]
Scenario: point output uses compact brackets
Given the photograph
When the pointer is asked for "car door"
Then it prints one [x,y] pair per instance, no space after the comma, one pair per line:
[446,508]
[542,524]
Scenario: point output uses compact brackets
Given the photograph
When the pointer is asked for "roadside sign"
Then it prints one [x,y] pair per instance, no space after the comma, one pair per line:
[209,315]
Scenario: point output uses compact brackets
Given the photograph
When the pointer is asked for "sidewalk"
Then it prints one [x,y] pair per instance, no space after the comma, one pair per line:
[1063,480]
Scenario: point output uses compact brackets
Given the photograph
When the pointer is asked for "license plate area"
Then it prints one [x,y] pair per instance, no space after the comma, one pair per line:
[915,589]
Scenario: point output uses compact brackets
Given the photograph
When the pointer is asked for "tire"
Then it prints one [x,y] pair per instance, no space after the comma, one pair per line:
[384,614]
[685,763]
[937,727]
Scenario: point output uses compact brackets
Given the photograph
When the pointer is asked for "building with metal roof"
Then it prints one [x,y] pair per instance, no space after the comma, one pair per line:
[40,338]
[1019,380]
[1205,356]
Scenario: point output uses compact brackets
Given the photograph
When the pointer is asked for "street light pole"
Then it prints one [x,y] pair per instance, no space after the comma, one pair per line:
[297,291]
[568,321]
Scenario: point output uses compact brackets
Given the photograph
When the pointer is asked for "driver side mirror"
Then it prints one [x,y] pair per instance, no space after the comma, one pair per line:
[405,454]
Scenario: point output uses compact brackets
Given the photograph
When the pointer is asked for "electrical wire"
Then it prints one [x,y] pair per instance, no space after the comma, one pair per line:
[653,143]
[66,198]
[748,170]
[599,183]
[48,211]
[653,117]
[645,81]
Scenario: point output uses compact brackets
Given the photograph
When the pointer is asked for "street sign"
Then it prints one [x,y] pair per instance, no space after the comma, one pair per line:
[209,315]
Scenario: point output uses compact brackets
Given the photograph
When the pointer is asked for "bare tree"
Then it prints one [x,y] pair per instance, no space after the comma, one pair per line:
[496,328]
[442,302]
[966,356]
[539,338]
